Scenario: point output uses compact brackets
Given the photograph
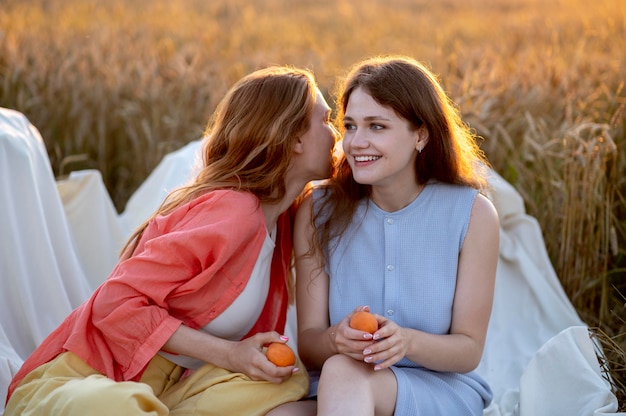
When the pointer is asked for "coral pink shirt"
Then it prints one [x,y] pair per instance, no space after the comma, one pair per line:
[188,267]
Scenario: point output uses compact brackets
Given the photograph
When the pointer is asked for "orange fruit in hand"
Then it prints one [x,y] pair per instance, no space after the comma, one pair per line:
[364,321]
[280,354]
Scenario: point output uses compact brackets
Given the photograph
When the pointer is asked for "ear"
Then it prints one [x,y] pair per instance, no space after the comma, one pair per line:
[421,138]
[298,147]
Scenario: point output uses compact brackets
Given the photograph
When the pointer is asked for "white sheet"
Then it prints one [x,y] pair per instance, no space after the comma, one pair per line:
[94,222]
[538,357]
[530,306]
[40,274]
[176,169]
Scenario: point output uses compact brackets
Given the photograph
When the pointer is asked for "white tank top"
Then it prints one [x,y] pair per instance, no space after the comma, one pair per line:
[237,320]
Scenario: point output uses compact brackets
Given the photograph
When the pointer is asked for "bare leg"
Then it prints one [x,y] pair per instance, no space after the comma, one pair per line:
[350,387]
[301,408]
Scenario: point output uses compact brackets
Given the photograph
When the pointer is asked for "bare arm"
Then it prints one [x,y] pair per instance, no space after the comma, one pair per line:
[314,343]
[244,356]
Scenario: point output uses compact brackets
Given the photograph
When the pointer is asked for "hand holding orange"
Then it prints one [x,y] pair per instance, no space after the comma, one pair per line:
[280,354]
[364,321]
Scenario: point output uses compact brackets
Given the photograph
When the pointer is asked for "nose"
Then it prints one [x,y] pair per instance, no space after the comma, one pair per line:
[357,138]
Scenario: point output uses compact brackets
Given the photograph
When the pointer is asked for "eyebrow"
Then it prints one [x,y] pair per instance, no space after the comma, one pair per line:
[370,118]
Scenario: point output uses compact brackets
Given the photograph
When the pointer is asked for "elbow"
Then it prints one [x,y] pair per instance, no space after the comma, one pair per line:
[307,360]
[471,360]
[310,356]
[469,366]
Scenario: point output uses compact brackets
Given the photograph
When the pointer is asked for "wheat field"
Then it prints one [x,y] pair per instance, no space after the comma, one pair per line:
[116,85]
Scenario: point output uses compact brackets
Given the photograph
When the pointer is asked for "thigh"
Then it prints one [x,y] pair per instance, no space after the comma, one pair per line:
[161,374]
[215,391]
[68,386]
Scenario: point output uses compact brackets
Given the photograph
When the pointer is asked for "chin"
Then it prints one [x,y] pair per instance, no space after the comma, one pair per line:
[361,179]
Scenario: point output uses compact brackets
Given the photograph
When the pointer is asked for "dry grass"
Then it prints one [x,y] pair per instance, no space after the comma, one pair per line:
[115,86]
[612,358]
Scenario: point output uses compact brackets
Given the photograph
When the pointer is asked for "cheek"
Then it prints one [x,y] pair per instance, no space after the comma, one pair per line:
[345,143]
[332,137]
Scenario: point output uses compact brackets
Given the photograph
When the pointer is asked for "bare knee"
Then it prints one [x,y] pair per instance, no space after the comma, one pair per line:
[342,373]
[348,386]
[343,367]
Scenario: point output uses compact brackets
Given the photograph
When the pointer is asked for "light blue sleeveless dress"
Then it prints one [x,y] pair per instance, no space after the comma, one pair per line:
[405,263]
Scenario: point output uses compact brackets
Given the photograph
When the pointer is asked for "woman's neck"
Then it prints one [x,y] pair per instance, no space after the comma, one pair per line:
[273,210]
[390,200]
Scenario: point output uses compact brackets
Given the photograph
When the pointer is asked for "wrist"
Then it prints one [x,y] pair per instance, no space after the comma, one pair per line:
[332,331]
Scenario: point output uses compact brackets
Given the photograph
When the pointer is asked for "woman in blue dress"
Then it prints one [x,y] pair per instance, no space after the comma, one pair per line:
[405,231]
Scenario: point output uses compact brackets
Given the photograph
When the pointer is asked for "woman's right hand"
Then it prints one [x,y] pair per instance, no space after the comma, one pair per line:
[244,356]
[247,356]
[349,341]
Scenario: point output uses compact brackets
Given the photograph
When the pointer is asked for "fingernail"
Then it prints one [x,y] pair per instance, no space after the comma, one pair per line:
[376,367]
[367,336]
[295,370]
[367,352]
[376,336]
[367,359]
[284,338]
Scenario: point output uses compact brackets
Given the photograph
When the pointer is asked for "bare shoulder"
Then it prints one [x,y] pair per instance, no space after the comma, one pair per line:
[303,214]
[484,225]
[484,213]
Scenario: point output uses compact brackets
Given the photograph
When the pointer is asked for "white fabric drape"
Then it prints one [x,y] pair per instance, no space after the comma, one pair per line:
[41,278]
[61,239]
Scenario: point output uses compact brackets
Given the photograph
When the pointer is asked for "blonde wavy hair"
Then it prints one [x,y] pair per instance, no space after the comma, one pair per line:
[249,140]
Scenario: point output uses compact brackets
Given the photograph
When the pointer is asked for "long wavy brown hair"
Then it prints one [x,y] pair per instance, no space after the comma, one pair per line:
[249,140]
[411,90]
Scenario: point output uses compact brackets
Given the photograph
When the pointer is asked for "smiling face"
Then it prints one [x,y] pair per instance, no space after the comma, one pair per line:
[380,146]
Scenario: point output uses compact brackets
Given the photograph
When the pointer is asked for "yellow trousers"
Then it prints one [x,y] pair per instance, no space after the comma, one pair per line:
[68,386]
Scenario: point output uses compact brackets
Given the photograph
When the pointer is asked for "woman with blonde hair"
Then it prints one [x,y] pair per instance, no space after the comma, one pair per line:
[203,285]
[403,231]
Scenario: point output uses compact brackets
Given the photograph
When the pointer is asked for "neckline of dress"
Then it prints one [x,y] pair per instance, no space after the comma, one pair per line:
[421,195]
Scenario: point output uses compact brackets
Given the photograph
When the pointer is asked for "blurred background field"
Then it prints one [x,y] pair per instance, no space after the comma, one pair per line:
[116,85]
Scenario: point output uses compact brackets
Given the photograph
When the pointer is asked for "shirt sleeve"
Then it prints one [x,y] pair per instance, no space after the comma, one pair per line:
[178,254]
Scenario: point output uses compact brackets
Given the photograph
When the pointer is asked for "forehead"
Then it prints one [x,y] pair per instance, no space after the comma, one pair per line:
[320,102]
[361,104]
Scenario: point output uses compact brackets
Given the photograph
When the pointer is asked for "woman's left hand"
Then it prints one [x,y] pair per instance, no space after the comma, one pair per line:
[390,346]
